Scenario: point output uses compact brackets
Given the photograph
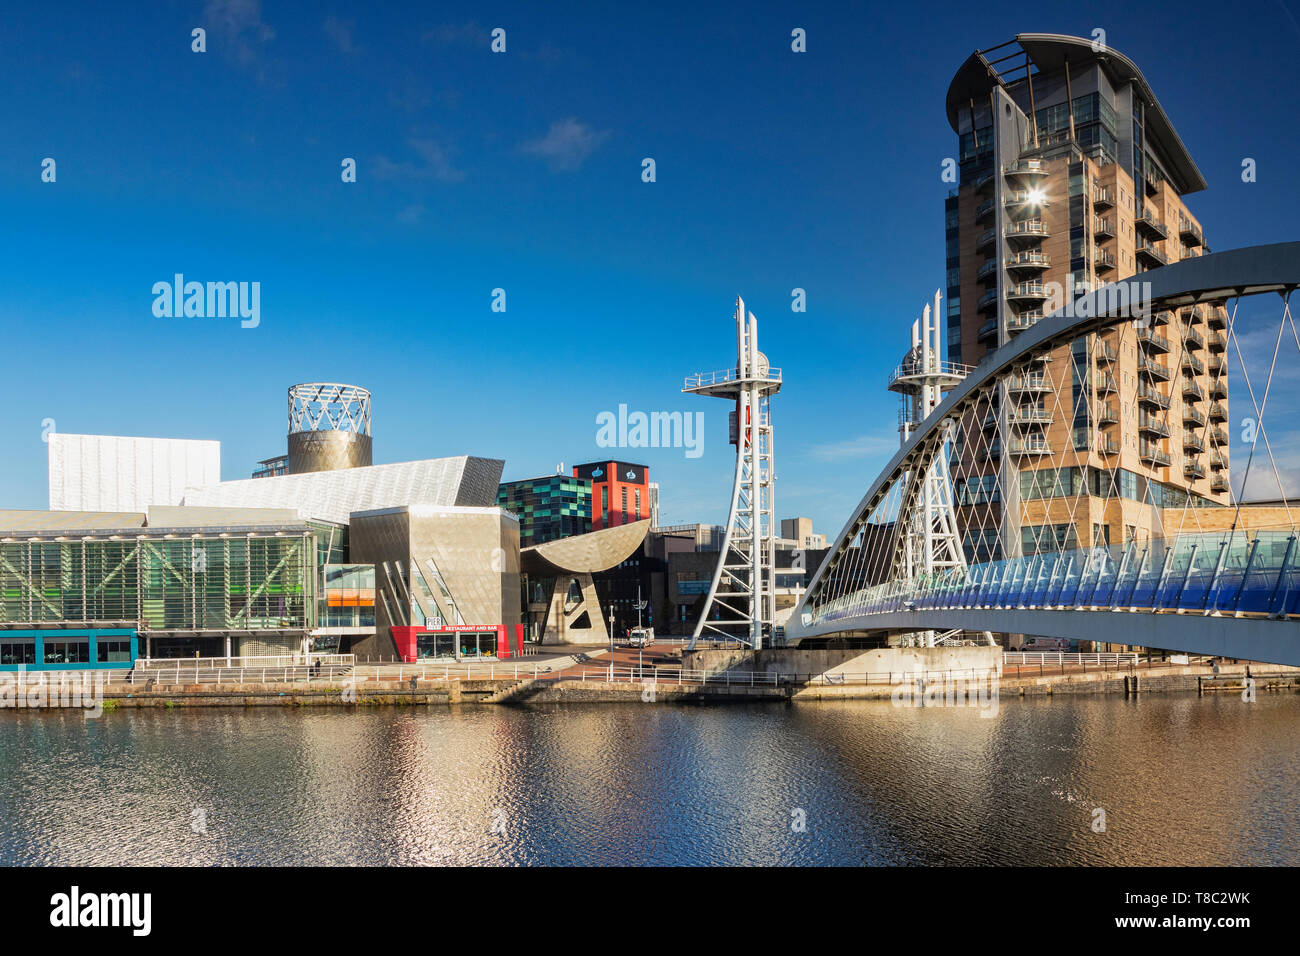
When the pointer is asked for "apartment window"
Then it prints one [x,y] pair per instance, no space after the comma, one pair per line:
[1052,537]
[638,504]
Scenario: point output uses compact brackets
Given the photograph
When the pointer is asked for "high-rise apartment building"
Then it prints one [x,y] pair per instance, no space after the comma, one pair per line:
[1072,177]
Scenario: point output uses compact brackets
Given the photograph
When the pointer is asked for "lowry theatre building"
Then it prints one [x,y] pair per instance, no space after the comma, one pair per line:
[146,553]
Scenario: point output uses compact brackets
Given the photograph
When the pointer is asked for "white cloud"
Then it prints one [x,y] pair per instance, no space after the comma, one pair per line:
[566,145]
[340,32]
[238,25]
[436,163]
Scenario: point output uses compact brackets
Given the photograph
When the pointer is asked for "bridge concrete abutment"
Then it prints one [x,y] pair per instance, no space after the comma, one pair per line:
[883,664]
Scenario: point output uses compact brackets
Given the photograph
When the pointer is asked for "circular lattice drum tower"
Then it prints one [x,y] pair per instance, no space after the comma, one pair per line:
[329,427]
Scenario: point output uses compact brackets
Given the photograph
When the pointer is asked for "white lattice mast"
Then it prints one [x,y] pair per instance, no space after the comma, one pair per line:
[742,590]
[931,543]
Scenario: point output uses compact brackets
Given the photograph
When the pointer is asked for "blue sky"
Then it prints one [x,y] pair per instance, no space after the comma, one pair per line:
[522,171]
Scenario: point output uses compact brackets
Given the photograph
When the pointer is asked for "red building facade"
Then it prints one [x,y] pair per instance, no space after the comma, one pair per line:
[620,492]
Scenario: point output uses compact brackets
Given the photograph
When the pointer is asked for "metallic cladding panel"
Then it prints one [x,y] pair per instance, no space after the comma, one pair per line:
[110,473]
[479,482]
[335,495]
[328,451]
[476,552]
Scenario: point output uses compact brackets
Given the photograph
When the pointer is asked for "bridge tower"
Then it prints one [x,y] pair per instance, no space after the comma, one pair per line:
[930,540]
[742,589]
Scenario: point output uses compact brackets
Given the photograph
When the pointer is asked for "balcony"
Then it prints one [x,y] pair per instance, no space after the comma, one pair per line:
[1029,446]
[1023,200]
[1193,442]
[1150,452]
[1027,229]
[1192,467]
[1105,352]
[1192,365]
[1102,260]
[1152,256]
[1217,317]
[989,300]
[1153,342]
[1192,391]
[1193,416]
[989,268]
[1106,385]
[1149,225]
[1218,388]
[1029,382]
[1023,320]
[1218,412]
[1029,415]
[986,238]
[1189,232]
[1103,227]
[1149,395]
[1101,198]
[1163,317]
[1150,425]
[1193,339]
[1029,260]
[1218,460]
[982,182]
[1028,292]
[1107,413]
[1219,437]
[1107,446]
[1218,342]
[1219,483]
[1153,370]
[1217,365]
[989,331]
[984,210]
[1025,169]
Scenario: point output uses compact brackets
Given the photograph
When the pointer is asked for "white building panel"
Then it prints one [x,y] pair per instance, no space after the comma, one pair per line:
[110,473]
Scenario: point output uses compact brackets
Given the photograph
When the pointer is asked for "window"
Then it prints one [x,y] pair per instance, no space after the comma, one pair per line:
[113,651]
[75,651]
[1049,538]
[18,651]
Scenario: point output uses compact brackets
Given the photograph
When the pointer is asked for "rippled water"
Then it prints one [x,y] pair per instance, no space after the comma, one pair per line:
[1182,780]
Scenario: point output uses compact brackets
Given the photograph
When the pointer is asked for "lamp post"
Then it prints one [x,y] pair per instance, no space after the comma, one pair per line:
[611,641]
[640,643]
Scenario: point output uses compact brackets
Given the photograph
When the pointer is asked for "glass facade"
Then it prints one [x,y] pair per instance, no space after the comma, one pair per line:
[193,583]
[348,596]
[549,508]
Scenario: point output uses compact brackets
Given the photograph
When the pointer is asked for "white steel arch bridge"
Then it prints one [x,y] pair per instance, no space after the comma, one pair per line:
[1111,412]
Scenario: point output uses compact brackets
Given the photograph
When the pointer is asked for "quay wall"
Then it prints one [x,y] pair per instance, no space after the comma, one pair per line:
[1190,679]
